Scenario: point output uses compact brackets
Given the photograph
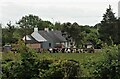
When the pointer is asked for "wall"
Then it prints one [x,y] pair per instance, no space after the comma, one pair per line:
[45,45]
[34,46]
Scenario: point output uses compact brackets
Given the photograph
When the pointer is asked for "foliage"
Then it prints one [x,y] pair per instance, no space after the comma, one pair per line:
[109,66]
[109,28]
[7,34]
[30,67]
[54,65]
[28,22]
[71,69]
[73,32]
[58,26]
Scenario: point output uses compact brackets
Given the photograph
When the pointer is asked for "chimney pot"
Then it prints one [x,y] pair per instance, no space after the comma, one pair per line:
[46,29]
[35,29]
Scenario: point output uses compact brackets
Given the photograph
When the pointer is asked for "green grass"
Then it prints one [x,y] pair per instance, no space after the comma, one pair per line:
[81,57]
[10,55]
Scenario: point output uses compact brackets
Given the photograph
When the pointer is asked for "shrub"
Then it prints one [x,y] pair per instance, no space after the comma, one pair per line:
[71,69]
[109,67]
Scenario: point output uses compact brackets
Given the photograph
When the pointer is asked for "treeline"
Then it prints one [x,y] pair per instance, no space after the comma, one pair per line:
[105,32]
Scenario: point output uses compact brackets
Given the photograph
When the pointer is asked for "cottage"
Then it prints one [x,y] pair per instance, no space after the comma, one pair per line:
[45,39]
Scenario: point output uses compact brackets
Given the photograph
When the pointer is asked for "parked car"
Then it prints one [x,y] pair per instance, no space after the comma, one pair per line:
[7,48]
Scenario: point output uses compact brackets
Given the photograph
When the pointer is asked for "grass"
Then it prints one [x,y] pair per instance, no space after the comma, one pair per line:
[10,55]
[81,57]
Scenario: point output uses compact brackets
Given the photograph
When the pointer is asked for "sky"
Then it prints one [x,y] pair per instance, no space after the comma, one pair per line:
[84,12]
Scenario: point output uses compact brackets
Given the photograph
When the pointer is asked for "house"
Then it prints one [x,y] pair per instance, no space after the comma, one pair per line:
[45,39]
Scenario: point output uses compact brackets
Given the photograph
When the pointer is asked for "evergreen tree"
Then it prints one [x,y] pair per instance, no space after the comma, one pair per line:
[108,29]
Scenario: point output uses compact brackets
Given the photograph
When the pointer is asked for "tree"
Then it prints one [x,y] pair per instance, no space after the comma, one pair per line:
[73,31]
[108,28]
[27,23]
[47,24]
[58,26]
[7,34]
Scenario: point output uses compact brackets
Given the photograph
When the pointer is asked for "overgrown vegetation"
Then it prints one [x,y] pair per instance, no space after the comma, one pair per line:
[108,67]
[32,65]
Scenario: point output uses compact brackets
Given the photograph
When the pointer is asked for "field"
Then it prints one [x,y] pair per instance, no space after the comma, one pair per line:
[81,57]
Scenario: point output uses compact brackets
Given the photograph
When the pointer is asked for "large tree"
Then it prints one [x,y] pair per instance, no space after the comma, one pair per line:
[28,22]
[73,31]
[108,28]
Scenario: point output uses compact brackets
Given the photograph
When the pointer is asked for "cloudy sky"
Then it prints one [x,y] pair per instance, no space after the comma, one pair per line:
[84,12]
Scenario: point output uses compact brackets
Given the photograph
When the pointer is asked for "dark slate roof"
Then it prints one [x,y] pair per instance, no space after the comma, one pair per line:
[45,35]
[53,35]
[58,36]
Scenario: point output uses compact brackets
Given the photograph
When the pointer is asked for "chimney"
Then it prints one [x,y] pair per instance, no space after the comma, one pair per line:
[35,29]
[46,29]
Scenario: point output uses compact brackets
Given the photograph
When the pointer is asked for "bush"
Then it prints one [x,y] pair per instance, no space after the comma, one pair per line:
[71,69]
[109,67]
